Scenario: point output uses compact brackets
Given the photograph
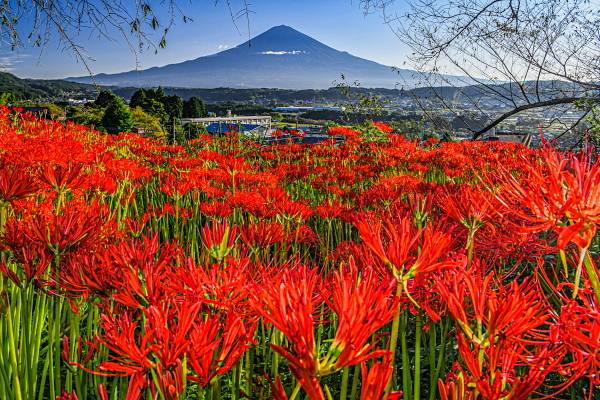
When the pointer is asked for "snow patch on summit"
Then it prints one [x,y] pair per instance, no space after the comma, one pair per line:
[281,53]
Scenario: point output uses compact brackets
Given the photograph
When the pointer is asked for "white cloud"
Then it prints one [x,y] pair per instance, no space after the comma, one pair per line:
[281,53]
[9,61]
[223,47]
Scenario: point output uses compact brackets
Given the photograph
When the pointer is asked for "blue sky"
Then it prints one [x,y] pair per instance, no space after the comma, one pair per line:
[337,23]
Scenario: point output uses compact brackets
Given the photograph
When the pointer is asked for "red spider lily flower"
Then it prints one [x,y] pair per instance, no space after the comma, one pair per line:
[263,234]
[404,249]
[32,262]
[128,357]
[100,181]
[419,203]
[277,390]
[375,380]
[519,310]
[463,289]
[363,303]
[502,245]
[135,226]
[140,271]
[434,244]
[84,274]
[130,348]
[76,226]
[454,388]
[15,184]
[578,329]
[508,311]
[288,301]
[506,369]
[391,242]
[137,384]
[303,234]
[59,177]
[382,126]
[501,333]
[540,366]
[331,210]
[470,207]
[294,210]
[466,204]
[30,258]
[251,202]
[560,194]
[219,238]
[361,255]
[170,328]
[223,286]
[67,396]
[585,184]
[215,209]
[343,131]
[216,346]
[171,382]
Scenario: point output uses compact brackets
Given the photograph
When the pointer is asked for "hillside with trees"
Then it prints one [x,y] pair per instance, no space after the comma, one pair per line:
[33,89]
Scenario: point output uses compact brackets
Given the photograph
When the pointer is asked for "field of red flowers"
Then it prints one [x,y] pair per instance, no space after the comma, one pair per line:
[376,268]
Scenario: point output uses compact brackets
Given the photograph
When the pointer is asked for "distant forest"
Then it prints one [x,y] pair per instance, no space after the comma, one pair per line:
[56,90]
[38,89]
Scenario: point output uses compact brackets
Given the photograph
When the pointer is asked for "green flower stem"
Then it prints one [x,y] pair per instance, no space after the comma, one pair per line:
[592,275]
[417,381]
[394,338]
[296,391]
[406,375]
[275,356]
[439,369]
[13,356]
[355,380]
[249,371]
[237,376]
[344,387]
[431,359]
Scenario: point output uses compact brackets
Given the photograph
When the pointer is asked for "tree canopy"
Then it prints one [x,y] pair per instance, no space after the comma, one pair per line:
[194,108]
[117,117]
[168,109]
[149,124]
[105,98]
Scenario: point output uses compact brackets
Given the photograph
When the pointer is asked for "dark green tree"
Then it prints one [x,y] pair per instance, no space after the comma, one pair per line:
[7,98]
[157,93]
[173,106]
[194,108]
[192,131]
[105,98]
[138,99]
[117,117]
[156,103]
[156,109]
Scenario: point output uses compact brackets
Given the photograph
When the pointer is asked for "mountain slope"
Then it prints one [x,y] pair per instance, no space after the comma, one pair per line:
[281,57]
[43,89]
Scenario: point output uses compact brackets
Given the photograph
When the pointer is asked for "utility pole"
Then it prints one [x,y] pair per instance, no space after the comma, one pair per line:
[173,130]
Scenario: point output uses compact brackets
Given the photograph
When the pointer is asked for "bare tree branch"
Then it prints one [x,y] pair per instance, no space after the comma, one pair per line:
[524,107]
[521,55]
[141,24]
